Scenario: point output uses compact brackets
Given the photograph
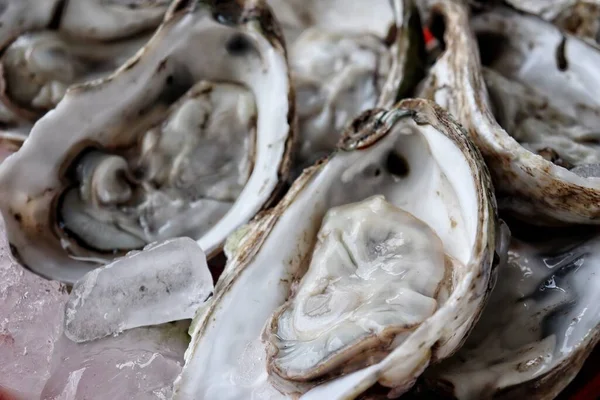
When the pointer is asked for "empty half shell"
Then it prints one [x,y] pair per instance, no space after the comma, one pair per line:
[172,144]
[376,263]
[347,58]
[531,110]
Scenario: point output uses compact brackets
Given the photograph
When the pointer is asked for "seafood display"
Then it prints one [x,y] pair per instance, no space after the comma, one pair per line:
[397,199]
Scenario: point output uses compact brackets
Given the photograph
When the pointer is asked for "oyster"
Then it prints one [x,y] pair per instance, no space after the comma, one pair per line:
[67,43]
[546,134]
[578,17]
[169,145]
[540,324]
[345,59]
[389,249]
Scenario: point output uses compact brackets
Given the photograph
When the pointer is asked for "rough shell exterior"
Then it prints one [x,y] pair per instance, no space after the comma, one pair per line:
[526,183]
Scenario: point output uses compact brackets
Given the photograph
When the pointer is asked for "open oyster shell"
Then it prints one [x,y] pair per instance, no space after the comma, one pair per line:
[172,144]
[48,46]
[578,17]
[542,321]
[526,55]
[432,195]
[347,58]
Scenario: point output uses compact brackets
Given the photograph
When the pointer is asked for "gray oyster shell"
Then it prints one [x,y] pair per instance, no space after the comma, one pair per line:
[523,49]
[169,145]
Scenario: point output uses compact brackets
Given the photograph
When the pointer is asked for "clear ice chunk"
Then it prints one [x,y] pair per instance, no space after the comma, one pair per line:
[166,281]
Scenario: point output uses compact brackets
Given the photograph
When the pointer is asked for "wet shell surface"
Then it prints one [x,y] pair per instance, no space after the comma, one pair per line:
[540,324]
[389,256]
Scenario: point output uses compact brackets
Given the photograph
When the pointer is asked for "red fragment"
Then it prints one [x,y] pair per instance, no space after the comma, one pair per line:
[428,35]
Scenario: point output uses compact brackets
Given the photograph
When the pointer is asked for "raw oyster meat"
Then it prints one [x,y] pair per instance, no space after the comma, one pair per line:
[346,58]
[541,322]
[57,44]
[169,145]
[390,246]
[529,136]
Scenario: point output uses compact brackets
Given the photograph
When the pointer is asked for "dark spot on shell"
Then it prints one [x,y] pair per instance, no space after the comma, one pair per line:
[491,46]
[239,45]
[176,85]
[56,16]
[397,165]
[496,259]
[390,38]
[561,58]
[142,288]
[18,217]
[182,4]
[162,65]
[228,12]
[437,27]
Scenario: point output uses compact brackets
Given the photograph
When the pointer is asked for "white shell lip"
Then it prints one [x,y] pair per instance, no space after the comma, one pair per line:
[88,113]
[527,185]
[231,362]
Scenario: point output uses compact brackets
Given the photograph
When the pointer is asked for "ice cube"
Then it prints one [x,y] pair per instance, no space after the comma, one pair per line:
[165,282]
